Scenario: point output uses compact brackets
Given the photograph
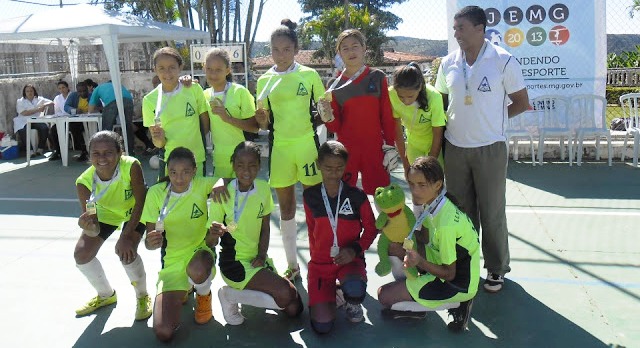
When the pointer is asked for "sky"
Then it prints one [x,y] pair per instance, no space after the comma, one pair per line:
[413,12]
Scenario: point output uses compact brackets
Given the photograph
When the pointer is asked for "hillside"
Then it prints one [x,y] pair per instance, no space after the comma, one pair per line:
[616,43]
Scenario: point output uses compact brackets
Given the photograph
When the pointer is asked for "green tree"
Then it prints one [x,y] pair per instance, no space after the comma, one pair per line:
[214,15]
[635,6]
[326,27]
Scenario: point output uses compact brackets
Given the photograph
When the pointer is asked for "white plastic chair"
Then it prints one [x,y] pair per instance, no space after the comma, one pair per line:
[589,112]
[517,129]
[631,114]
[553,121]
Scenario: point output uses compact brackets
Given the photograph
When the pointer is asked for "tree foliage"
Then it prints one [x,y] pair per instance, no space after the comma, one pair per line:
[222,18]
[327,25]
[627,59]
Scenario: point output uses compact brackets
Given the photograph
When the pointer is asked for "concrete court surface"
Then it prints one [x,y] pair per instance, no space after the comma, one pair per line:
[575,279]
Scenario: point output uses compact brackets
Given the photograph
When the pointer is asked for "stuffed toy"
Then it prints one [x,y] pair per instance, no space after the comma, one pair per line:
[395,221]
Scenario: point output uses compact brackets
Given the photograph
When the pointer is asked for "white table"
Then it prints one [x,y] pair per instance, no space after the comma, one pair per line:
[62,123]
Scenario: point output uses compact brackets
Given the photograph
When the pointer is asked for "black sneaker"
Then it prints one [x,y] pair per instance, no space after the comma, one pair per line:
[460,316]
[493,283]
[55,156]
[83,157]
[395,314]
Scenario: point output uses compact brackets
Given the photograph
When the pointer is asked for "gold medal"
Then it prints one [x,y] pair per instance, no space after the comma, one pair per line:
[468,100]
[407,244]
[91,208]
[335,250]
[231,227]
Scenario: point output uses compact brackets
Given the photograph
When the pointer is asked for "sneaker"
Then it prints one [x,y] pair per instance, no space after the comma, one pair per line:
[292,274]
[493,283]
[143,308]
[55,156]
[354,312]
[230,310]
[395,314]
[203,308]
[83,157]
[95,303]
[460,316]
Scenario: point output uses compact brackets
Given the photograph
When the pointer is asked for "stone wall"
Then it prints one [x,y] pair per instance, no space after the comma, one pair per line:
[138,83]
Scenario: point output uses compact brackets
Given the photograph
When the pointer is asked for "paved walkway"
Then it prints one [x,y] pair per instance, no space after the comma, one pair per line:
[575,281]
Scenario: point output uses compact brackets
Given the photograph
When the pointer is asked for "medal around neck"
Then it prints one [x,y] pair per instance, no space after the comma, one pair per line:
[468,100]
[232,227]
[335,250]
[160,226]
[91,208]
[408,244]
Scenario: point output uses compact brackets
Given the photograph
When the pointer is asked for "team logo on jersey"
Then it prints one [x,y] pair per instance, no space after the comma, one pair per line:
[196,212]
[484,85]
[372,87]
[261,212]
[190,111]
[302,90]
[346,209]
[128,194]
[423,119]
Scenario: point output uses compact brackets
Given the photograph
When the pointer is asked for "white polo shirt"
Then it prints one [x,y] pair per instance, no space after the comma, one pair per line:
[491,78]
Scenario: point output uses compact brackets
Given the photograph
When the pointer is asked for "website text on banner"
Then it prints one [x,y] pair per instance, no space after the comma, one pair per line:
[561,46]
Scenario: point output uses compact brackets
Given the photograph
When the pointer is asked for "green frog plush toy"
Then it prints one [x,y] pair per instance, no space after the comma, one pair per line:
[395,221]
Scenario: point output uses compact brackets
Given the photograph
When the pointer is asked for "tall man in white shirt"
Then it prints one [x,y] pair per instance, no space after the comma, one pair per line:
[475,81]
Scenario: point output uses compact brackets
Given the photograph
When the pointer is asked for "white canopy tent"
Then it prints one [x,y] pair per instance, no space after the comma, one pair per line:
[92,25]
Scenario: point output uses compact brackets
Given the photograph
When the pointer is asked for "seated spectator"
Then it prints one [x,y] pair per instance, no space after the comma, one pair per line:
[32,105]
[58,110]
[77,103]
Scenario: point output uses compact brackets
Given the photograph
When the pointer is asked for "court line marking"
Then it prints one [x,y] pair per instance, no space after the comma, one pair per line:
[531,210]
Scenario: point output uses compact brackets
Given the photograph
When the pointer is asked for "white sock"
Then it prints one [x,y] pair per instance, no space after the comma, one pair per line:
[289,231]
[374,206]
[250,297]
[137,276]
[397,268]
[412,306]
[94,273]
[204,288]
[417,210]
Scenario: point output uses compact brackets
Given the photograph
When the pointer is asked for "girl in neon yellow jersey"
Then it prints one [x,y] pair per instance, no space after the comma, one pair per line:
[286,94]
[111,192]
[233,108]
[176,215]
[418,108]
[176,116]
[243,225]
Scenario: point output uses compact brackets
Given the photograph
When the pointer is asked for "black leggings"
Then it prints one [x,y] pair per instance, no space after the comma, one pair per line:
[43,134]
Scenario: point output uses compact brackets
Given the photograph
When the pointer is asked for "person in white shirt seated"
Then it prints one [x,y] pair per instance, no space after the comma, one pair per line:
[32,105]
[58,110]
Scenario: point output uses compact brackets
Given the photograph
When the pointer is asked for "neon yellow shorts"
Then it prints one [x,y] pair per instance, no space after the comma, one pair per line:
[222,163]
[293,161]
[173,276]
[238,273]
[414,152]
[433,292]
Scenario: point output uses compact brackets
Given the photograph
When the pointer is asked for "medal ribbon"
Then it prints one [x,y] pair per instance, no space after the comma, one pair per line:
[94,185]
[430,210]
[333,219]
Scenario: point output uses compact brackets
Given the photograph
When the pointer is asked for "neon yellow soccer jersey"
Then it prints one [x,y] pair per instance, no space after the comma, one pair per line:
[418,123]
[240,104]
[290,100]
[180,118]
[186,223]
[116,205]
[247,233]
